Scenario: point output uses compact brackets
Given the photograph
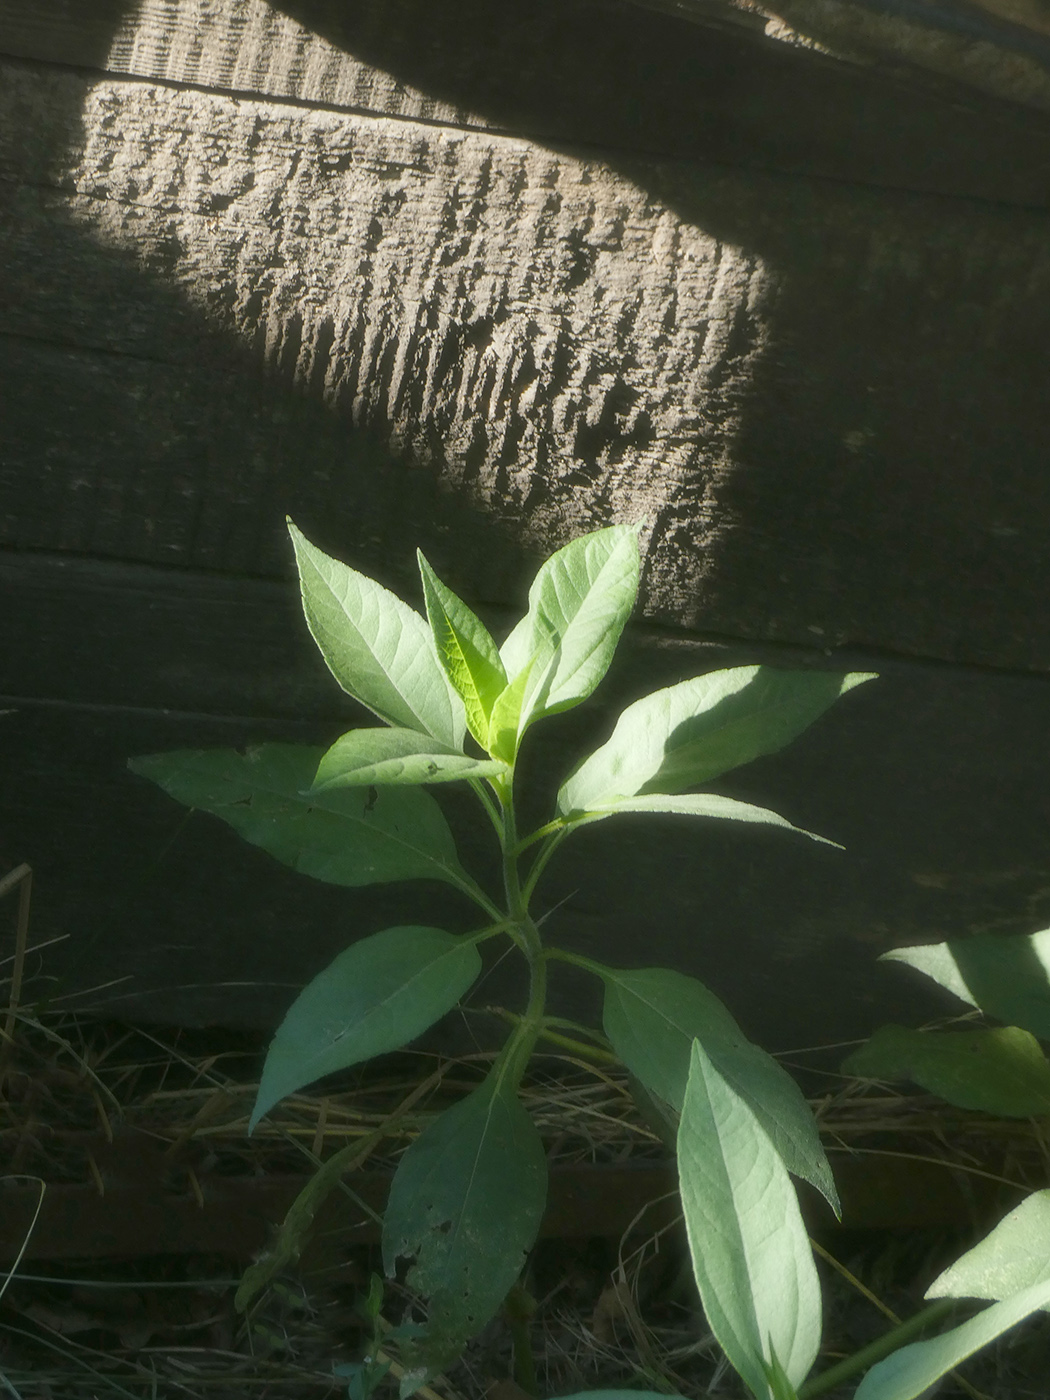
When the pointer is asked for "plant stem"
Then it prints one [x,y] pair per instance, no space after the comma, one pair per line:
[518,1310]
[578,960]
[585,1052]
[550,845]
[882,1347]
[491,810]
[541,832]
[474,891]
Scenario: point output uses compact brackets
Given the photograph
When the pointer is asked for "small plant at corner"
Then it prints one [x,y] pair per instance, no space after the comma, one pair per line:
[466,1202]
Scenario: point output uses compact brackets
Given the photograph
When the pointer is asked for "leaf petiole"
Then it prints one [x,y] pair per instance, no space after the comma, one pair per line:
[482,935]
[551,844]
[592,1053]
[541,832]
[491,809]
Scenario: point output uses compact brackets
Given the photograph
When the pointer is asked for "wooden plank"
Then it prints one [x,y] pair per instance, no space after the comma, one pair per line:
[936,779]
[218,311]
[565,72]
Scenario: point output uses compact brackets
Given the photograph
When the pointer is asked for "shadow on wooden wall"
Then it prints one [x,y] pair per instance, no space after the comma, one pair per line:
[478,284]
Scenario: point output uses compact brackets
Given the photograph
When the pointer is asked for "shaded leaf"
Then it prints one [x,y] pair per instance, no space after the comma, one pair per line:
[652,1016]
[996,1071]
[378,648]
[465,650]
[579,603]
[698,804]
[692,732]
[287,1245]
[751,1254]
[364,757]
[1008,977]
[909,1372]
[464,1208]
[375,997]
[1013,1257]
[351,837]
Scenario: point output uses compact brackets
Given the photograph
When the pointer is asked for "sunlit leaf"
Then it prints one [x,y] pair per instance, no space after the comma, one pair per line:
[1008,976]
[652,1016]
[750,1250]
[579,603]
[364,757]
[465,650]
[996,1071]
[698,804]
[692,732]
[1013,1257]
[375,997]
[908,1373]
[378,648]
[505,719]
[352,836]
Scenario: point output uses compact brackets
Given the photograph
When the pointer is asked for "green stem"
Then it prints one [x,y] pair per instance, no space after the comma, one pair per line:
[578,960]
[551,844]
[518,1310]
[577,1047]
[558,824]
[477,894]
[491,809]
[877,1350]
[481,935]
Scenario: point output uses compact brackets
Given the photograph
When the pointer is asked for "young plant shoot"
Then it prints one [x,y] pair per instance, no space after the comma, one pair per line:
[469,1193]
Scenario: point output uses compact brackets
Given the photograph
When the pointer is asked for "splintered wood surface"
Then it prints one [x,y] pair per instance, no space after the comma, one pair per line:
[482,286]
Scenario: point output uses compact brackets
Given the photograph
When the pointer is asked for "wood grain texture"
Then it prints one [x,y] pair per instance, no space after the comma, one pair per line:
[534,327]
[600,72]
[219,310]
[936,780]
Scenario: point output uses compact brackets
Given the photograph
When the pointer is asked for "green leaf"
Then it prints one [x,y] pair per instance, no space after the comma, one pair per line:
[465,1207]
[579,602]
[912,1370]
[465,650]
[1013,1257]
[697,804]
[995,1071]
[505,720]
[690,733]
[750,1251]
[375,997]
[352,837]
[652,1017]
[1008,977]
[779,1384]
[367,757]
[378,648]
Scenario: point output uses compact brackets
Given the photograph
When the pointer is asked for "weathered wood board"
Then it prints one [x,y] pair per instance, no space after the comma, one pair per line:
[793,381]
[479,289]
[935,780]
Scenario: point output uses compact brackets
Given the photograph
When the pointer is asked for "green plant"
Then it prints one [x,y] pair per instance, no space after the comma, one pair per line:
[752,1261]
[751,1257]
[467,1199]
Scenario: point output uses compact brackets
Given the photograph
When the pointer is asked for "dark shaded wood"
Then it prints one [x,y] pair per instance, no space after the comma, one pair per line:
[150,1207]
[405,335]
[935,779]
